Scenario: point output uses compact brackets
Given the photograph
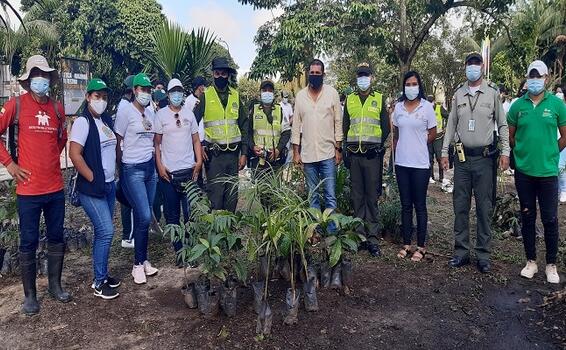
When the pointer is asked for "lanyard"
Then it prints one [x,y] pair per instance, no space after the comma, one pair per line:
[472,107]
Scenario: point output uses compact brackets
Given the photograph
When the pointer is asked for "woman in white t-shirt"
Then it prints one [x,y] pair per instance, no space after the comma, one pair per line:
[135,130]
[178,153]
[93,153]
[414,125]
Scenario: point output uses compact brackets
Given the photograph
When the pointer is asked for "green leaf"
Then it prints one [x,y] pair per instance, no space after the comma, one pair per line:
[335,253]
[215,257]
[196,252]
[352,245]
[204,242]
[217,250]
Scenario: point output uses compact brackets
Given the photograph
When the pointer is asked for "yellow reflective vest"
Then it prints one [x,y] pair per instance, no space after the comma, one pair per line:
[266,135]
[221,124]
[365,120]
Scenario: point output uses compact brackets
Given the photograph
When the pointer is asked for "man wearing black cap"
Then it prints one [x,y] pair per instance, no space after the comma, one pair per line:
[366,126]
[475,114]
[269,130]
[226,128]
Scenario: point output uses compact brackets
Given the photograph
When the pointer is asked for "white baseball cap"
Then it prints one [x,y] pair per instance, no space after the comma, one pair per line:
[173,83]
[539,65]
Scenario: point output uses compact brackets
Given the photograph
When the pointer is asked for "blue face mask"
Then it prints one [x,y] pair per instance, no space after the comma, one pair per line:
[473,72]
[411,92]
[364,83]
[267,97]
[39,85]
[176,98]
[535,85]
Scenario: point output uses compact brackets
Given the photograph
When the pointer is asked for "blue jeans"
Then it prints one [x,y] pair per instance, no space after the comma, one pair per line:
[562,167]
[29,211]
[100,210]
[324,171]
[127,228]
[173,202]
[139,182]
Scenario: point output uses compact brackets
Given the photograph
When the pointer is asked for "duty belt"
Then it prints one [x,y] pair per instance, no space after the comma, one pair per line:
[484,151]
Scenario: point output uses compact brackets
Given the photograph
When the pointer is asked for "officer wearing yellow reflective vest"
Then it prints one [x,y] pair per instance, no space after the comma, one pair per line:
[269,131]
[366,124]
[226,128]
[435,148]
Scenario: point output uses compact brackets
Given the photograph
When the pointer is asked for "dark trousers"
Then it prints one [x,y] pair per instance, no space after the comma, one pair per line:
[475,175]
[29,211]
[158,201]
[173,202]
[221,193]
[366,176]
[413,186]
[545,190]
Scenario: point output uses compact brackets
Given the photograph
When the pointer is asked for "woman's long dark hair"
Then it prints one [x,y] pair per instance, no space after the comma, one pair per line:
[408,75]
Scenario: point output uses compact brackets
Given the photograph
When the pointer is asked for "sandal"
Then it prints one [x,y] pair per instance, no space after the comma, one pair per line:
[404,252]
[418,255]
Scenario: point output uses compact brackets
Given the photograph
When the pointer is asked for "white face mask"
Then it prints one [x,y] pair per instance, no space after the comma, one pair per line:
[98,106]
[143,98]
[411,92]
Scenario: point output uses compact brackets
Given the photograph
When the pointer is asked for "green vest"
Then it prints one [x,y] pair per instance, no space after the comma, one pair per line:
[438,112]
[265,134]
[221,125]
[365,120]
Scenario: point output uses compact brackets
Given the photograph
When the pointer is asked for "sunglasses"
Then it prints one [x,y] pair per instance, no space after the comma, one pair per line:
[177,120]
[146,123]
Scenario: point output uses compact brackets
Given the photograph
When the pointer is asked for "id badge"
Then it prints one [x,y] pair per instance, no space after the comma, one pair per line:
[472,125]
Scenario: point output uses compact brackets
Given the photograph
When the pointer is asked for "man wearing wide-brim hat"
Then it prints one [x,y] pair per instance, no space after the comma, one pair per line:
[37,135]
[226,135]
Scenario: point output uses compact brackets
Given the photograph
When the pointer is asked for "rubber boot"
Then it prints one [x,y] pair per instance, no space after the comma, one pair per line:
[28,269]
[55,256]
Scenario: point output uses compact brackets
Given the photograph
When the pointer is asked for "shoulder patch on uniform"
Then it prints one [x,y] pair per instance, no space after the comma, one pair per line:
[493,85]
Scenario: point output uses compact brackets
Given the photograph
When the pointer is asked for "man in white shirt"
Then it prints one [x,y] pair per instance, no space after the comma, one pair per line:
[317,135]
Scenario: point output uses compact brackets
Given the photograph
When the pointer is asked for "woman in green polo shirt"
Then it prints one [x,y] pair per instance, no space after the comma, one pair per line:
[534,121]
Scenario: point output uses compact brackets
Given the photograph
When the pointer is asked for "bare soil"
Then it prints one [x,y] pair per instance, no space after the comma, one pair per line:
[394,305]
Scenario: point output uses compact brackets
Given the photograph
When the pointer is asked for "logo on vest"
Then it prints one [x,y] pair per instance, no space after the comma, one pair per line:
[42,119]
[374,103]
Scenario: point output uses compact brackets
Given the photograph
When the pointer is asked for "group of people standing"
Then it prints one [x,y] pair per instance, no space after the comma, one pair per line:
[212,131]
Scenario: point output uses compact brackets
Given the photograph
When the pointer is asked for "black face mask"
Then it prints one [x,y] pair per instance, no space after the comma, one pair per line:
[221,82]
[315,81]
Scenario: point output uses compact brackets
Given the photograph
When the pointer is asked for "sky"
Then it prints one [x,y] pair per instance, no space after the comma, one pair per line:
[232,22]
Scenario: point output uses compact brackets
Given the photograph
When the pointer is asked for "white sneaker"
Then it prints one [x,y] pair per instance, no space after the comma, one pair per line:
[562,197]
[431,181]
[138,273]
[552,274]
[530,269]
[445,182]
[128,243]
[149,270]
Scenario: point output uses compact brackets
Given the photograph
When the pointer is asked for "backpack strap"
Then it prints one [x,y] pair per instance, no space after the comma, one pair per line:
[59,118]
[13,131]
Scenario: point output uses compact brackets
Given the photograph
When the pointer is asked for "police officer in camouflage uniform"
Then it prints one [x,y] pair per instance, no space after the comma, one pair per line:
[226,128]
[475,114]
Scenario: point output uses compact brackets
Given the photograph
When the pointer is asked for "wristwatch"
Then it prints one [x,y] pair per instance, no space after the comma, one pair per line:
[338,149]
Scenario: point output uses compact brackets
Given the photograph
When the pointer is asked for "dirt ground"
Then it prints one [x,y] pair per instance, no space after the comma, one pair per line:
[394,305]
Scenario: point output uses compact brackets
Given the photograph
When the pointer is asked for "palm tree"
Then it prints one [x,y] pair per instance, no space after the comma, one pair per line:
[177,53]
[7,9]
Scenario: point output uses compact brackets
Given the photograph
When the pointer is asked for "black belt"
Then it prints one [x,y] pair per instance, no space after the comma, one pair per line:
[477,151]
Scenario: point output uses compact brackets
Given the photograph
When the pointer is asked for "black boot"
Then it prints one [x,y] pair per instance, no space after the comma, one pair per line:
[55,255]
[29,273]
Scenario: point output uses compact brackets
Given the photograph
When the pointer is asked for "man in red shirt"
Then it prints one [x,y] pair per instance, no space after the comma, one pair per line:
[36,167]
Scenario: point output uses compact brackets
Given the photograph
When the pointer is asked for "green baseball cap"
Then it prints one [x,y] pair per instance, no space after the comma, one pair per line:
[141,79]
[96,84]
